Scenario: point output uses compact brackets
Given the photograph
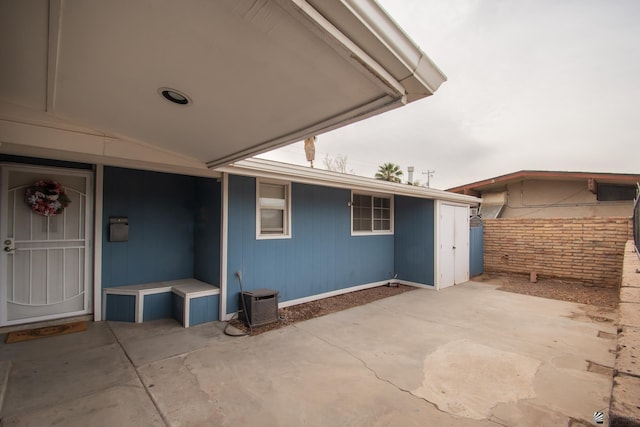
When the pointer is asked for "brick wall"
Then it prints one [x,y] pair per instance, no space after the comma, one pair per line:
[623,406]
[586,249]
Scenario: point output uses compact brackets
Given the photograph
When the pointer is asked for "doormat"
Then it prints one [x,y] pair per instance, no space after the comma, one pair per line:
[47,331]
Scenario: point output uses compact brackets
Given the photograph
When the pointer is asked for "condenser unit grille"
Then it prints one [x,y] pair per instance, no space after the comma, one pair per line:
[262,306]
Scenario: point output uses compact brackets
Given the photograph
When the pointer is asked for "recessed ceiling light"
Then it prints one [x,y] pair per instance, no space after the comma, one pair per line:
[174,96]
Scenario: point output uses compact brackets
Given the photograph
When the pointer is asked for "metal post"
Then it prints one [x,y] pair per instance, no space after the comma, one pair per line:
[429,174]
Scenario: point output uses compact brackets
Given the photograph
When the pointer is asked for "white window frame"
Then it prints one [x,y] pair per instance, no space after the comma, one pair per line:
[287,211]
[373,232]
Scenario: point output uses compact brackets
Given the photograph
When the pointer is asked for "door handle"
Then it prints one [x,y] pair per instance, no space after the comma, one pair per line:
[8,245]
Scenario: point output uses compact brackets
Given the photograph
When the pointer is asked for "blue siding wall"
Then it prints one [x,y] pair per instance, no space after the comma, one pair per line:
[207,231]
[204,309]
[121,308]
[414,239]
[476,251]
[174,233]
[160,208]
[157,306]
[321,256]
[177,307]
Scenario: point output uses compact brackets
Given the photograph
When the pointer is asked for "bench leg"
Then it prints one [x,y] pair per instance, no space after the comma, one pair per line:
[187,305]
[139,308]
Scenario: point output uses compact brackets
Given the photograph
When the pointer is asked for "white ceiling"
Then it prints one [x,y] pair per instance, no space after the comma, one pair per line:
[261,74]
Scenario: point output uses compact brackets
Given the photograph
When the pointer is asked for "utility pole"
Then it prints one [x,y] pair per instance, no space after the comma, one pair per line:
[429,174]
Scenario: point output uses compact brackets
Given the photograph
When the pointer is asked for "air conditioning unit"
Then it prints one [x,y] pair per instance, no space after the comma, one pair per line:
[261,306]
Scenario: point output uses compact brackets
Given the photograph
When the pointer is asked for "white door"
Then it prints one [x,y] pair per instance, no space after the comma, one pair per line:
[46,259]
[461,234]
[446,247]
[453,247]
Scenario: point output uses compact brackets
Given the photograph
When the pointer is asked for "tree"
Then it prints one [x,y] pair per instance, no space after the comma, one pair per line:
[389,172]
[338,164]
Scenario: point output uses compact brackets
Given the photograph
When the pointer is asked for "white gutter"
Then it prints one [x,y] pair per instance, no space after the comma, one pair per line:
[389,33]
[269,169]
[350,49]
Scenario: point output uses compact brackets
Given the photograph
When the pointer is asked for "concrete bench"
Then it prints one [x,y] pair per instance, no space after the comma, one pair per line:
[189,301]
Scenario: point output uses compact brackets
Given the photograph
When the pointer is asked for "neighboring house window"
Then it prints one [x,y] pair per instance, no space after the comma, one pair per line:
[371,214]
[273,213]
[614,193]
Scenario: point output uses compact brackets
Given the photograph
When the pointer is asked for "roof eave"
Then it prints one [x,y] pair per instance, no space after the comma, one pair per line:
[276,170]
[620,178]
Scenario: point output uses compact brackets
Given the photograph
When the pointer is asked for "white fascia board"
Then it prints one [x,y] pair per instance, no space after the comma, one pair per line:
[379,23]
[301,174]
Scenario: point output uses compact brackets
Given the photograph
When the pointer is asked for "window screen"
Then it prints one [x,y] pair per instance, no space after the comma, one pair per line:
[272,203]
[361,212]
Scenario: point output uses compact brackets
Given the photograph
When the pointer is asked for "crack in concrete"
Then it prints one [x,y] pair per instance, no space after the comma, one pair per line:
[135,369]
[367,367]
[391,383]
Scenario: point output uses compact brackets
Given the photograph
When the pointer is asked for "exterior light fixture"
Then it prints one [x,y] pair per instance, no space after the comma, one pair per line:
[174,96]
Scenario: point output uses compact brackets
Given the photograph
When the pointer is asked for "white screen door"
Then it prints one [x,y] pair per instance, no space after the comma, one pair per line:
[46,260]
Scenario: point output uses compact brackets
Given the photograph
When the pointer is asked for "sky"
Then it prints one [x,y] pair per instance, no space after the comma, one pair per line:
[540,85]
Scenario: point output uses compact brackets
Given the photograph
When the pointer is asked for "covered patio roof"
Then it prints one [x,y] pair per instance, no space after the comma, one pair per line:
[87,76]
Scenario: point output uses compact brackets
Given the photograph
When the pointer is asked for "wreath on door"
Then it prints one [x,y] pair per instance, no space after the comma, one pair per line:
[46,197]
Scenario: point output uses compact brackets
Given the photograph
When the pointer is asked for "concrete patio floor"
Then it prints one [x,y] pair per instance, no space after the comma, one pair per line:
[465,356]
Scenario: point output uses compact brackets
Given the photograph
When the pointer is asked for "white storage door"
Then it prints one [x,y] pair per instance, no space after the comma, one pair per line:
[446,249]
[461,237]
[453,245]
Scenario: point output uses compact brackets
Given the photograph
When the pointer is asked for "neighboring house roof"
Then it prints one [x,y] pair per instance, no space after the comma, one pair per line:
[499,182]
[259,75]
[276,170]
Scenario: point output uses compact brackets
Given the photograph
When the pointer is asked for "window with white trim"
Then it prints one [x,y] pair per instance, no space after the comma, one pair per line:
[273,213]
[371,214]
